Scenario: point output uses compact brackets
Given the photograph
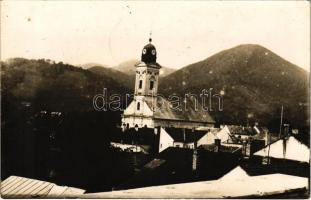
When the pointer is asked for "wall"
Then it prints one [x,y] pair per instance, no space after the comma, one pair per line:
[141,117]
[208,138]
[165,140]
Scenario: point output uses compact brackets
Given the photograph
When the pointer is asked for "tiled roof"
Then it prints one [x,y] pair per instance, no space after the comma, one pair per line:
[188,137]
[240,130]
[187,111]
[223,148]
[20,187]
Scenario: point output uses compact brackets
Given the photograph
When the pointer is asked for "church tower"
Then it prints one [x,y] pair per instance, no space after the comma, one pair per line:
[140,112]
[147,72]
[148,109]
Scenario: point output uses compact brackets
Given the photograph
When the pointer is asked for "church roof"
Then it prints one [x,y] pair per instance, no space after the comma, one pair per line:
[187,111]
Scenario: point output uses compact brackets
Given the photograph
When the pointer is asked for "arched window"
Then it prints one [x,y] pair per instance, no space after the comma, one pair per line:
[138,106]
[151,82]
[140,84]
[151,85]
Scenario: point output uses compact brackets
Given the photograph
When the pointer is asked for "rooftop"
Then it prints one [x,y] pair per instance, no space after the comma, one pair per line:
[185,135]
[20,187]
[190,111]
[243,187]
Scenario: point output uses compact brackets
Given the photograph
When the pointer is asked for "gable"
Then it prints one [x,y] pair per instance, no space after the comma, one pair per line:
[292,149]
[144,109]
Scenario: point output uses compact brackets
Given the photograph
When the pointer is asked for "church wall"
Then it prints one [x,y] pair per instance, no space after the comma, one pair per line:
[140,121]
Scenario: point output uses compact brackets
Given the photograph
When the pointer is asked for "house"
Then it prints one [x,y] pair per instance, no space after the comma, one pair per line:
[240,133]
[144,140]
[148,109]
[181,138]
[223,134]
[288,149]
[248,187]
[286,155]
[129,147]
[175,165]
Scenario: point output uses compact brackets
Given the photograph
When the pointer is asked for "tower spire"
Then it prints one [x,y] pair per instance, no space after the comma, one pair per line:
[150,37]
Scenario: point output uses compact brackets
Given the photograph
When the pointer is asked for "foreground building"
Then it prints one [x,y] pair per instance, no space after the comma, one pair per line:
[264,186]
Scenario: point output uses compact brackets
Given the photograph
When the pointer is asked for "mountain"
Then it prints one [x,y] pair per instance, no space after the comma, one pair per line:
[89,65]
[53,86]
[126,80]
[255,83]
[128,67]
[165,71]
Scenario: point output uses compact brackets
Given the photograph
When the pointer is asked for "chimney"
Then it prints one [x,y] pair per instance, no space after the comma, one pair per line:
[157,130]
[284,146]
[195,158]
[286,130]
[246,148]
[217,145]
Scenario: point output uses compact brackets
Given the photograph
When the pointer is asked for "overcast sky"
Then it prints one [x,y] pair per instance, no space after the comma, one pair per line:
[104,32]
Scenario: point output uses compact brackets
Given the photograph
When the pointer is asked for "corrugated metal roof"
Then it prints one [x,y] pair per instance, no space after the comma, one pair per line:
[20,187]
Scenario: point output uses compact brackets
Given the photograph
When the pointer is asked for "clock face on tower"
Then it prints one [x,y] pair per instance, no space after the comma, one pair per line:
[149,54]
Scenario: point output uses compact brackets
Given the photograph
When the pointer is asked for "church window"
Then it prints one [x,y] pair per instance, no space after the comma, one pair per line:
[151,85]
[138,106]
[140,84]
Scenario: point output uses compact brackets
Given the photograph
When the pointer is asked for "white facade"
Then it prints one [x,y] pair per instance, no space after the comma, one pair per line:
[146,80]
[165,140]
[138,113]
[208,138]
[292,149]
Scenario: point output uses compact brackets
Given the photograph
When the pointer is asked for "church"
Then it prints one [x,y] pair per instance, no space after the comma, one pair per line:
[150,110]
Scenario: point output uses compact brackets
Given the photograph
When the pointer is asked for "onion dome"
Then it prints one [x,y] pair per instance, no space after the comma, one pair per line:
[149,53]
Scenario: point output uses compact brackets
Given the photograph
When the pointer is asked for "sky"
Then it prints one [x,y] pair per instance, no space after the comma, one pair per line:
[109,33]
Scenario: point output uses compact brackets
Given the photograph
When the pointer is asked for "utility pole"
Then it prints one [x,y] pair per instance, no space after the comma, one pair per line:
[281,122]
